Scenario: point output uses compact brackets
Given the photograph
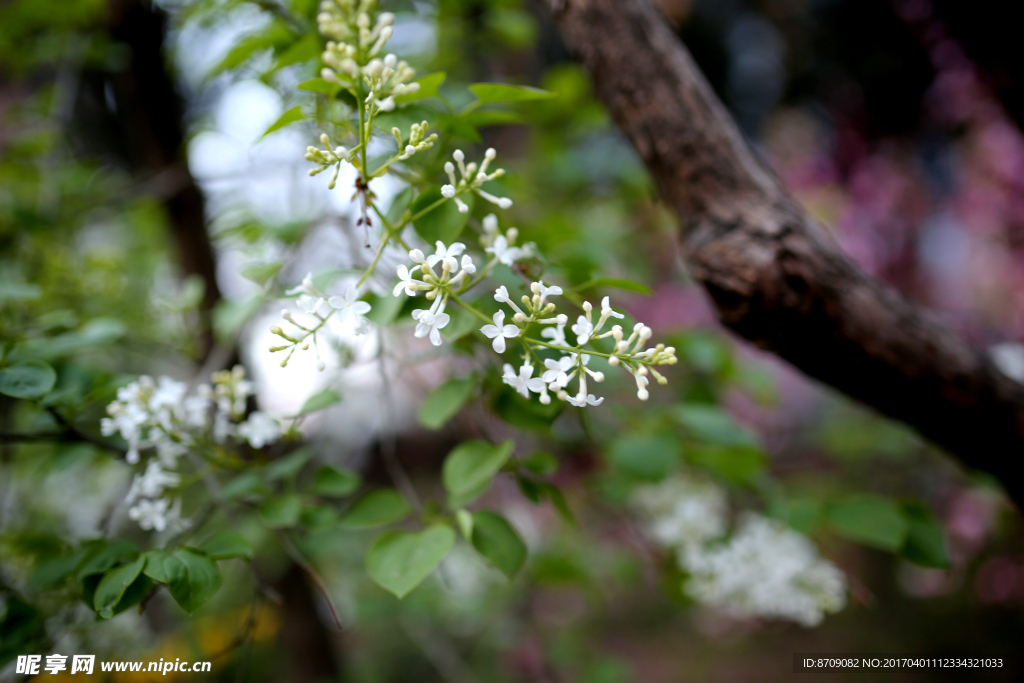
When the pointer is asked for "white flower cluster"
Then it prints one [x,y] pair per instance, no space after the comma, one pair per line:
[764,569]
[313,302]
[162,416]
[327,158]
[455,276]
[355,40]
[472,178]
[502,247]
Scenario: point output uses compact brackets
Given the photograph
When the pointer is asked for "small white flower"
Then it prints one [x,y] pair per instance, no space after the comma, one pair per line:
[583,329]
[468,265]
[157,514]
[306,287]
[430,324]
[499,332]
[501,295]
[503,252]
[310,304]
[152,483]
[524,382]
[490,224]
[591,400]
[557,372]
[447,255]
[545,292]
[405,281]
[448,191]
[555,334]
[259,430]
[606,310]
[349,306]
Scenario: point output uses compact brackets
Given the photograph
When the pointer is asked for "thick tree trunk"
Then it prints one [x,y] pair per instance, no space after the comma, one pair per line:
[773,274]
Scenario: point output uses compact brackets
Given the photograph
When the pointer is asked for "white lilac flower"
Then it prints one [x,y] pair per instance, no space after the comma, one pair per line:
[765,570]
[503,252]
[152,483]
[557,375]
[682,510]
[350,307]
[405,281]
[157,514]
[524,382]
[430,323]
[499,332]
[305,287]
[583,328]
[472,179]
[259,429]
[544,292]
[446,255]
[555,334]
[580,402]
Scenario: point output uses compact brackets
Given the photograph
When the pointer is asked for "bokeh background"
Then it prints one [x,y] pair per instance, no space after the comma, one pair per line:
[143,214]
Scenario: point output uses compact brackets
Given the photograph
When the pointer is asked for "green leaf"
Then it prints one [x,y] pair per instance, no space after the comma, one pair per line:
[226,545]
[335,481]
[487,93]
[319,401]
[289,466]
[302,50]
[498,543]
[444,222]
[736,464]
[289,117]
[801,514]
[523,413]
[444,402]
[473,464]
[711,424]
[281,512]
[464,520]
[541,463]
[245,484]
[645,457]
[229,315]
[428,88]
[113,585]
[107,557]
[399,561]
[320,85]
[154,567]
[274,34]
[376,508]
[481,118]
[318,517]
[925,544]
[193,580]
[31,379]
[616,283]
[260,272]
[870,520]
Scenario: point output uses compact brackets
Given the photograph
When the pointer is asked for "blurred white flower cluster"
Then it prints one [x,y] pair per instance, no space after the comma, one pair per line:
[356,35]
[763,569]
[160,415]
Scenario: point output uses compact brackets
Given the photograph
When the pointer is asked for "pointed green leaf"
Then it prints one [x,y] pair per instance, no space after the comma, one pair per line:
[926,543]
[376,508]
[648,457]
[473,464]
[319,401]
[498,543]
[260,272]
[154,567]
[335,481]
[444,402]
[868,519]
[193,579]
[289,117]
[319,85]
[245,484]
[226,545]
[282,511]
[399,561]
[31,379]
[113,585]
[289,466]
[487,93]
[428,88]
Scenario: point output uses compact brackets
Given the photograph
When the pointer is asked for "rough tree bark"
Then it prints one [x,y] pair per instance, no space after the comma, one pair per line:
[774,275]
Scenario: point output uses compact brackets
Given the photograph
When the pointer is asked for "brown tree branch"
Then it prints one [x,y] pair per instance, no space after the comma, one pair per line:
[772,272]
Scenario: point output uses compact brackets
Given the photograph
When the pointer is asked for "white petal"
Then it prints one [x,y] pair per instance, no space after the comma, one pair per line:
[510,331]
[498,344]
[490,331]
